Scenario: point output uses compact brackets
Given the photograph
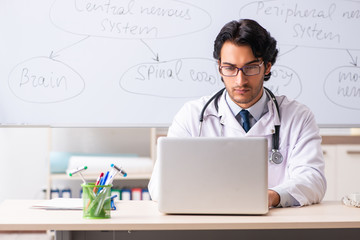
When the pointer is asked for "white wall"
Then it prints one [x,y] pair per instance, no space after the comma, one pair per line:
[24,153]
[23,162]
[102,140]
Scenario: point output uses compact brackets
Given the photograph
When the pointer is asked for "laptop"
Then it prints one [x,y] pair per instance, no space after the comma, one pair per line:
[213,175]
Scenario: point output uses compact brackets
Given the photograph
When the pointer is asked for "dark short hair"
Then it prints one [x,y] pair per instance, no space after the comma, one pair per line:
[248,32]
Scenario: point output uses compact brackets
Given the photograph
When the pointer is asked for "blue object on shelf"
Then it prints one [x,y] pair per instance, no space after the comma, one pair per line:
[66,193]
[59,161]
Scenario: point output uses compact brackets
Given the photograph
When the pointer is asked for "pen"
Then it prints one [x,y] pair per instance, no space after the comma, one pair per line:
[95,188]
[98,182]
[103,181]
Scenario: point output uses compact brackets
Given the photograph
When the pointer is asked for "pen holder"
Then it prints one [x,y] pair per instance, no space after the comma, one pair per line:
[96,201]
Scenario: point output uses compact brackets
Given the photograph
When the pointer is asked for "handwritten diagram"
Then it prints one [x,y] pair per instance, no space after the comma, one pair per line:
[159,52]
[309,24]
[121,20]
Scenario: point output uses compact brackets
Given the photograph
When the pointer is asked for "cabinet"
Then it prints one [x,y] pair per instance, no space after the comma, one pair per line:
[348,170]
[329,152]
[342,166]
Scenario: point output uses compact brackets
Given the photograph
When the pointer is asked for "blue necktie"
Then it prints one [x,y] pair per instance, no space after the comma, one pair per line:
[244,114]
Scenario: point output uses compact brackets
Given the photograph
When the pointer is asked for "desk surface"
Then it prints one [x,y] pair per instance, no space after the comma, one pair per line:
[143,215]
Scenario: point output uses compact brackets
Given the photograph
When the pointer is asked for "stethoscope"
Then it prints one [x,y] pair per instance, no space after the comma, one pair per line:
[275,156]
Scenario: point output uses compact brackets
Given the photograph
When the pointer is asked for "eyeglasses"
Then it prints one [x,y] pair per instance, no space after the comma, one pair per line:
[248,70]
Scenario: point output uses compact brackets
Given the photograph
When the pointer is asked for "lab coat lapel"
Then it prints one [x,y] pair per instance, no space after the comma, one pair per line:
[265,125]
[231,126]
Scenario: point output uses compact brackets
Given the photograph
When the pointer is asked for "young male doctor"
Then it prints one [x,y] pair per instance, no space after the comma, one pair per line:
[245,52]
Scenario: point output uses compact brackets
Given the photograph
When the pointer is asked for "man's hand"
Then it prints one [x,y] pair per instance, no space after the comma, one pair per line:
[274,198]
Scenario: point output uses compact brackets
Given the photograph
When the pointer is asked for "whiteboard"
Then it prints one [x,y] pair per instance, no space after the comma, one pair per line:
[112,63]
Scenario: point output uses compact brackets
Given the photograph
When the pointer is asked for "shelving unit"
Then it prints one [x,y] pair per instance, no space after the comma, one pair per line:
[63,176]
[154,134]
[139,177]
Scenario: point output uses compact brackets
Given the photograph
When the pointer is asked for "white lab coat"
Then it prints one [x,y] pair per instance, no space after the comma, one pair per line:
[301,173]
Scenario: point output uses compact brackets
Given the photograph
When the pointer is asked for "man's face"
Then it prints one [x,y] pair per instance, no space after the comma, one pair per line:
[243,90]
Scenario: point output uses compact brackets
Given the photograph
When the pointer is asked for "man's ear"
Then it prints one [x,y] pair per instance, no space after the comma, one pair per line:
[268,68]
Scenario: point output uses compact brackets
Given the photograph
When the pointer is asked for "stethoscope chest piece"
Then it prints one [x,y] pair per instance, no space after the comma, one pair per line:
[276,157]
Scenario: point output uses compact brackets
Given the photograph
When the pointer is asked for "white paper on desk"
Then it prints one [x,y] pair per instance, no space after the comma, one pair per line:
[60,204]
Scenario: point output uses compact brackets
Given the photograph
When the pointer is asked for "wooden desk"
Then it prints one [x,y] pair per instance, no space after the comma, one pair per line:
[143,215]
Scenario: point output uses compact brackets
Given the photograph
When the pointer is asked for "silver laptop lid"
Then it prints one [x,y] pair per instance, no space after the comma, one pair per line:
[213,175]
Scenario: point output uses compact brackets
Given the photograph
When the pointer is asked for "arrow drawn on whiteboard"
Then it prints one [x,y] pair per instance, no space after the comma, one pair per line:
[353,61]
[56,54]
[155,54]
[291,49]
[53,55]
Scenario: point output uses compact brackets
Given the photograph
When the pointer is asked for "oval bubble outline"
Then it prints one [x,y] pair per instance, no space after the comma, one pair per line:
[47,102]
[153,95]
[142,37]
[297,75]
[327,79]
